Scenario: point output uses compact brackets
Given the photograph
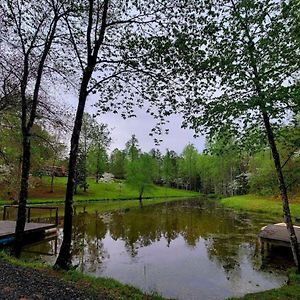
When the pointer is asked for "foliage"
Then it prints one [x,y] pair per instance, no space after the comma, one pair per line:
[139,173]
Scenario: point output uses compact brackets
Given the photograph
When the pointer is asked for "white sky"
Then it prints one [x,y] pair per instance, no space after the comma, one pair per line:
[141,126]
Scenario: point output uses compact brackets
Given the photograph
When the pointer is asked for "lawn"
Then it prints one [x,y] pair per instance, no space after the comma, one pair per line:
[117,190]
[264,204]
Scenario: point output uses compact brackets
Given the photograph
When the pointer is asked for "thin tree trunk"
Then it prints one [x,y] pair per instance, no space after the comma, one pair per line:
[52,177]
[21,220]
[98,165]
[283,190]
[64,259]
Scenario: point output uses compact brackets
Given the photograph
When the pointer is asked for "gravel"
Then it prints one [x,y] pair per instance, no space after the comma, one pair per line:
[28,284]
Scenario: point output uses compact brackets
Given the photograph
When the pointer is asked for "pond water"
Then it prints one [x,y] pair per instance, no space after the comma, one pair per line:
[188,249]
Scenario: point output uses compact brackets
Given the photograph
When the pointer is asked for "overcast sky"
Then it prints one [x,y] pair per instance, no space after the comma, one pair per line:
[141,126]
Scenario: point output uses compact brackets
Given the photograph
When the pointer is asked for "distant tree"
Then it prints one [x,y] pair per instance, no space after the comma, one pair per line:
[132,148]
[98,158]
[157,160]
[80,179]
[188,166]
[169,167]
[139,174]
[117,163]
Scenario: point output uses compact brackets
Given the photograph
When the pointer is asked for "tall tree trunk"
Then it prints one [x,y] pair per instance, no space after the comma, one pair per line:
[98,165]
[283,190]
[21,220]
[64,259]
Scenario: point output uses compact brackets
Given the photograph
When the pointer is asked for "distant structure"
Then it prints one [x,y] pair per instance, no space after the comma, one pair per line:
[56,171]
[107,177]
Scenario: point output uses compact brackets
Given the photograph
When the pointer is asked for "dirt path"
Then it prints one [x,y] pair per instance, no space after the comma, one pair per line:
[28,284]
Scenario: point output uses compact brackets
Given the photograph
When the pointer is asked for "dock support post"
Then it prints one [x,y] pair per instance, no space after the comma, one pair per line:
[28,217]
[56,216]
[4,213]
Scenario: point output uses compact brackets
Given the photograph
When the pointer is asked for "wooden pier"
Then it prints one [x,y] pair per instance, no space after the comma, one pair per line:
[277,234]
[32,229]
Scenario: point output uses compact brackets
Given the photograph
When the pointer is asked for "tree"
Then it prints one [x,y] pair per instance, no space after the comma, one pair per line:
[80,178]
[117,163]
[169,168]
[125,45]
[31,28]
[132,148]
[157,158]
[139,174]
[251,65]
[98,158]
[188,166]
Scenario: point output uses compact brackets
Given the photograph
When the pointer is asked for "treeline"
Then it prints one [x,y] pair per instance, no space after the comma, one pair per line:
[225,167]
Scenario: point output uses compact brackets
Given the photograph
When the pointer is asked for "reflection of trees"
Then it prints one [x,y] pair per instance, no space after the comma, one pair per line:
[88,232]
[223,231]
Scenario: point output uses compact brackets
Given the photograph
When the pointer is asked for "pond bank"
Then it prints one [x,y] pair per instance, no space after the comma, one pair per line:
[260,204]
[27,280]
[291,291]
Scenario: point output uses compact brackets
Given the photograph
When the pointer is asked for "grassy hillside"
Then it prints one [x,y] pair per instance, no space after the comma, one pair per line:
[101,191]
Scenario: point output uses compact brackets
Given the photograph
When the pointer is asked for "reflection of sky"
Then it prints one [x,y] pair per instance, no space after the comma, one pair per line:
[183,272]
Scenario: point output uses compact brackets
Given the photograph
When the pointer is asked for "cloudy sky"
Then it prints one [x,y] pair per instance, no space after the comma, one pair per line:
[141,126]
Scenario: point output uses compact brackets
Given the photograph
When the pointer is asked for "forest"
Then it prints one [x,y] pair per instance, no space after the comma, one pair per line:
[226,166]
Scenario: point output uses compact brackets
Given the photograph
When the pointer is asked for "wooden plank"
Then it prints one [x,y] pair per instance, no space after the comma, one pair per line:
[7,228]
[278,234]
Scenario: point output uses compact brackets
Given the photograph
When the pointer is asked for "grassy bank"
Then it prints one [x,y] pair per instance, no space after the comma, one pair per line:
[263,204]
[291,291]
[106,288]
[116,190]
[270,205]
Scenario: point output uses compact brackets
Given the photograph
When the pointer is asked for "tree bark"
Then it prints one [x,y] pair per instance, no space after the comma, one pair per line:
[21,219]
[283,190]
[64,259]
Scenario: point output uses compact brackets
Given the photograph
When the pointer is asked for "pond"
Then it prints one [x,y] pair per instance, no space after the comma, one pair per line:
[188,249]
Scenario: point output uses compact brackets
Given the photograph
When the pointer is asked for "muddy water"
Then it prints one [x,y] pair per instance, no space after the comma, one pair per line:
[189,249]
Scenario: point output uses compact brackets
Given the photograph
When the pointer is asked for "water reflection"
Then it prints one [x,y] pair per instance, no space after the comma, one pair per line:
[190,249]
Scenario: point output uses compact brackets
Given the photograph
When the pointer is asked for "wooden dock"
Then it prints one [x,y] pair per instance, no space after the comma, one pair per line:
[32,230]
[277,234]
[7,230]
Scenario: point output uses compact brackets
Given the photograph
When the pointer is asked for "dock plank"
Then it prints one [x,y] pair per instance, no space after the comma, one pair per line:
[278,233]
[7,228]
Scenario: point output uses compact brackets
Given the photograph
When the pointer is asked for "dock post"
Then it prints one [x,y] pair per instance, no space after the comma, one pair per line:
[28,217]
[4,212]
[56,216]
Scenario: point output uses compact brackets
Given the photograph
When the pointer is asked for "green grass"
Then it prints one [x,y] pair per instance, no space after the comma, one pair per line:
[100,191]
[113,205]
[291,291]
[107,288]
[255,203]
